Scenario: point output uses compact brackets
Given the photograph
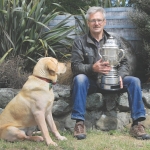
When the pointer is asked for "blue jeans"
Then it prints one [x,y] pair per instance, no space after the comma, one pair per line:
[82,86]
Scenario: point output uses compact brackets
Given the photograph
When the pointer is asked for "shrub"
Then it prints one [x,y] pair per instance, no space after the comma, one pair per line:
[12,74]
[141,18]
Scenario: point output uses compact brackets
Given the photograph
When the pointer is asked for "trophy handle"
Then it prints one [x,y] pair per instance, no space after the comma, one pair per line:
[123,54]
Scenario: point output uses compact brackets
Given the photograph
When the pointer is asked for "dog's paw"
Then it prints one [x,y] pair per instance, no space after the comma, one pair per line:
[40,138]
[37,138]
[61,138]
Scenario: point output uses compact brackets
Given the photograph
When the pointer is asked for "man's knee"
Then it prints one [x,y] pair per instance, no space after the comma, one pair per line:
[134,80]
[80,78]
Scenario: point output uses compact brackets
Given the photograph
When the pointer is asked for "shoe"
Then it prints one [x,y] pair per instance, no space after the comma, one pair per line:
[80,130]
[138,131]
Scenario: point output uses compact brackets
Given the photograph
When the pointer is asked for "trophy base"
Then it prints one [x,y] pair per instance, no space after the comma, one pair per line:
[110,87]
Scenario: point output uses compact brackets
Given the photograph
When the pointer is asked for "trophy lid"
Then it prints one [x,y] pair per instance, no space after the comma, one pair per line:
[110,43]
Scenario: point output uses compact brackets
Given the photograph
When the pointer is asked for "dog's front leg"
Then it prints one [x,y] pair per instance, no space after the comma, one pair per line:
[51,123]
[40,120]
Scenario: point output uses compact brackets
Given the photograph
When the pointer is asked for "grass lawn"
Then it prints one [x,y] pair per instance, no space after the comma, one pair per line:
[96,140]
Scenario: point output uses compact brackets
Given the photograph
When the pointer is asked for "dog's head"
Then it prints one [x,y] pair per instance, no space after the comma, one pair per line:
[49,68]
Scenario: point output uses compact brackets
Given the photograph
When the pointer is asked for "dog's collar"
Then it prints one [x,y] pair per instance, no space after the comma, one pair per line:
[47,80]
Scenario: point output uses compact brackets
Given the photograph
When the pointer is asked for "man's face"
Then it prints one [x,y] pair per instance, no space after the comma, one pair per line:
[96,22]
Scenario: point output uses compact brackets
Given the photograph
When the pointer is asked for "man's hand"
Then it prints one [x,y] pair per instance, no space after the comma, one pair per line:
[121,82]
[101,67]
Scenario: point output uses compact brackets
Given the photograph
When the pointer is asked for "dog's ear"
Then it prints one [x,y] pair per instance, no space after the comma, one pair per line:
[52,66]
[52,73]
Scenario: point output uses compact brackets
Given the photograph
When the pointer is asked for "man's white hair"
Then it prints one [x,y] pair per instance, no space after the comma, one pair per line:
[95,9]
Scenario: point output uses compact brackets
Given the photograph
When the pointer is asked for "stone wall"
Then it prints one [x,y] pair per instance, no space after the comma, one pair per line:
[103,112]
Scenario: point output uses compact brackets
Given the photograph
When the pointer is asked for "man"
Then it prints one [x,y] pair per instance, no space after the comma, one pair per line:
[86,64]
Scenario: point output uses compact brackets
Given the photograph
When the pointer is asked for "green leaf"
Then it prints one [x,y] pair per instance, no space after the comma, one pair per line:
[59,6]
[5,55]
[30,50]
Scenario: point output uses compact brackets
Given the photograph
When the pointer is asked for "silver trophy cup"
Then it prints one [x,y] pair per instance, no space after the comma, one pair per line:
[110,52]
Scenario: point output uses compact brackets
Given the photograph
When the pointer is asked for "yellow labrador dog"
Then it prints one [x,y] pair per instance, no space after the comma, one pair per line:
[33,105]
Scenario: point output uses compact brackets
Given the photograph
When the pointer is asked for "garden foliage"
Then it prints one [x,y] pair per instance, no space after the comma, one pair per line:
[24,31]
[141,19]
[73,6]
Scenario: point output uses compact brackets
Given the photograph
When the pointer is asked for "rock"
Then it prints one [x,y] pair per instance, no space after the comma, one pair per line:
[69,123]
[112,121]
[60,108]
[123,103]
[1,110]
[6,95]
[94,101]
[91,117]
[107,123]
[146,122]
[110,100]
[146,99]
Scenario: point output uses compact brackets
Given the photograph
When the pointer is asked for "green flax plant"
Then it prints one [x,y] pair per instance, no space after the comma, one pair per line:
[24,30]
[104,3]
[81,23]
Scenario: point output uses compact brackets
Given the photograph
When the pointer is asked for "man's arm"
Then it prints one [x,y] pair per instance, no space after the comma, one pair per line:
[77,60]
[123,68]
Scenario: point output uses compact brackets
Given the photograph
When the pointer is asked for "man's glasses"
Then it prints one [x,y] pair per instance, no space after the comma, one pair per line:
[96,20]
